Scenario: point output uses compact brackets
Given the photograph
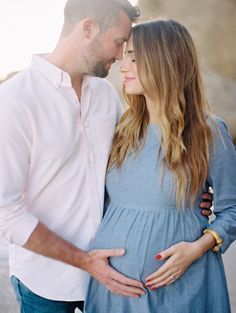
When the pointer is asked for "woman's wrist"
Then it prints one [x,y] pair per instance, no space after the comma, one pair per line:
[204,244]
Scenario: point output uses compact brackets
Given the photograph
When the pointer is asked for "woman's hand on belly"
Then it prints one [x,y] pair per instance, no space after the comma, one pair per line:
[179,258]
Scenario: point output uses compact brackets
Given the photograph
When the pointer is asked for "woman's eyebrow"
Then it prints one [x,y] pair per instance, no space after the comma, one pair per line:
[129,51]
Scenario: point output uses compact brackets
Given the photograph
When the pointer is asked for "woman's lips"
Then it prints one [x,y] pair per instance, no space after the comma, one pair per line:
[128,79]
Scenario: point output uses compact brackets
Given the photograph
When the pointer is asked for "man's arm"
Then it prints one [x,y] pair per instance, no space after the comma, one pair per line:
[96,262]
[19,226]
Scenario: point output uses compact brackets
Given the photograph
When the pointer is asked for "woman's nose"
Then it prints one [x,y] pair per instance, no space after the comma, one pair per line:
[123,66]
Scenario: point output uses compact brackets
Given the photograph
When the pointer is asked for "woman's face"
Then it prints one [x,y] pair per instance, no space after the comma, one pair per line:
[129,72]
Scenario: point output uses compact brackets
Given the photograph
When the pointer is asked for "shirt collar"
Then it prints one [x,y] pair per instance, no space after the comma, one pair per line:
[54,74]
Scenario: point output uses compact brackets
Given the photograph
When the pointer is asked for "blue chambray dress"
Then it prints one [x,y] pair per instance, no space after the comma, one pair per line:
[141,216]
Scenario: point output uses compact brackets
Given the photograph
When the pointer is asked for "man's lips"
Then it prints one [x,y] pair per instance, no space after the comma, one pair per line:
[109,63]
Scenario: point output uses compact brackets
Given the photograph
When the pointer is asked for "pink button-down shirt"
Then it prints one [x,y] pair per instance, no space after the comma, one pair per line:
[53,155]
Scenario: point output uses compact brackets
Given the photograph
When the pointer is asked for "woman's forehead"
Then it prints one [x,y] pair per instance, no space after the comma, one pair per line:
[129,46]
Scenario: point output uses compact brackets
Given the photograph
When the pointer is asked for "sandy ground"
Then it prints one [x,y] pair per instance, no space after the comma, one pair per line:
[8,302]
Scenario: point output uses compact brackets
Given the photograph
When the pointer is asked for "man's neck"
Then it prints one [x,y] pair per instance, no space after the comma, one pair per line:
[60,61]
[77,85]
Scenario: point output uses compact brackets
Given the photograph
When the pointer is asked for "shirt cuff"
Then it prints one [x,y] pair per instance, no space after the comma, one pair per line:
[20,231]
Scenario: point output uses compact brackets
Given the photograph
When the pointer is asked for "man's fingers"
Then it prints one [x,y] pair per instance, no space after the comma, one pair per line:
[206,212]
[113,280]
[124,290]
[106,253]
[122,279]
[206,205]
[207,196]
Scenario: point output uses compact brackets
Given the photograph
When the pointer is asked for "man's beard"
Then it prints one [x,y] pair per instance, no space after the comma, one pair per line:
[101,69]
[96,65]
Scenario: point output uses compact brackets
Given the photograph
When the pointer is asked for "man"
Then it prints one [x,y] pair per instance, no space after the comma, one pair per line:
[56,127]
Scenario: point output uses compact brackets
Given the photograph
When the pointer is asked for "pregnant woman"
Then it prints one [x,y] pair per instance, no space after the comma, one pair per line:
[168,149]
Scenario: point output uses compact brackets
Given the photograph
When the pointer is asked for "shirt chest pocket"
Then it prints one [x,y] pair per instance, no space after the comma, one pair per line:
[56,147]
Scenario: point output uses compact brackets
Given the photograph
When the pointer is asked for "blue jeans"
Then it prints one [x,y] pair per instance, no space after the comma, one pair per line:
[31,303]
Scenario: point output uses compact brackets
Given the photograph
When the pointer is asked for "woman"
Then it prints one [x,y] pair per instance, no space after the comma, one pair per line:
[167,150]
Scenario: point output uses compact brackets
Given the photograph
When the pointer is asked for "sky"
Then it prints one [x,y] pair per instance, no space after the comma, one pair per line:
[27,27]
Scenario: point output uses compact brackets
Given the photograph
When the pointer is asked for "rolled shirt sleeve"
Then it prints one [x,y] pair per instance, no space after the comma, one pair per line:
[222,179]
[16,221]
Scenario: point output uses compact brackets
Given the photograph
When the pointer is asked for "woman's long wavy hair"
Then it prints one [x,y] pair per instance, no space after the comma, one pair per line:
[168,70]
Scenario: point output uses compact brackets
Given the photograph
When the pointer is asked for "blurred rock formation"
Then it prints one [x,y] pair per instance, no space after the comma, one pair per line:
[212,23]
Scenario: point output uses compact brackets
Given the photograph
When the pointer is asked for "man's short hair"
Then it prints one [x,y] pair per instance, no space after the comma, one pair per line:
[104,12]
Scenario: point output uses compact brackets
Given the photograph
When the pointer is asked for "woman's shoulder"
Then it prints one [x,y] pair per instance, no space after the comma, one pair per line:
[215,121]
[218,126]
[221,137]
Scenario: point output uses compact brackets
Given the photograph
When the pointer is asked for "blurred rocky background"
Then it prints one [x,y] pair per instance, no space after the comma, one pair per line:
[212,24]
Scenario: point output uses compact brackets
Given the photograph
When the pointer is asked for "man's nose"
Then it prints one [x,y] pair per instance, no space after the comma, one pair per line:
[119,55]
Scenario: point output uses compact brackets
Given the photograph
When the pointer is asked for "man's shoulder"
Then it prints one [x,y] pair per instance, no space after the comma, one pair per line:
[14,85]
[102,92]
[13,91]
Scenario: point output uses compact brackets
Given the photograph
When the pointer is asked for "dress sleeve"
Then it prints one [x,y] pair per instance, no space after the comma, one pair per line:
[222,179]
[16,221]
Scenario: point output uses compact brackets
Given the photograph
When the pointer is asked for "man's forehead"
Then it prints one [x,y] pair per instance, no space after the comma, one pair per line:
[119,33]
[123,26]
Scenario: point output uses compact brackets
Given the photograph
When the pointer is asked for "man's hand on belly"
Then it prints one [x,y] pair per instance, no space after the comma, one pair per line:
[97,264]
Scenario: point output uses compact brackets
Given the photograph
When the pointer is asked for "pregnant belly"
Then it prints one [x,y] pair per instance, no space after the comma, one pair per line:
[143,235]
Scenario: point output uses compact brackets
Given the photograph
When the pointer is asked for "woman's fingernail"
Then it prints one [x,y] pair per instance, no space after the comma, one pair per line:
[153,288]
[158,256]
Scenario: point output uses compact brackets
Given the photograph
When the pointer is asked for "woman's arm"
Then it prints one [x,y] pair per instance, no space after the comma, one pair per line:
[222,178]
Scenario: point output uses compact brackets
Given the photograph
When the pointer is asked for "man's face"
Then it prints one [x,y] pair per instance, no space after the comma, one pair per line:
[107,47]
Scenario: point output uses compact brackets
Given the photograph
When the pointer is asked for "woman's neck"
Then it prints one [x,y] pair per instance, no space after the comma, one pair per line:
[153,111]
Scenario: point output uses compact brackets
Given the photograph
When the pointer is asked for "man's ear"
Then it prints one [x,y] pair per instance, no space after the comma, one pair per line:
[90,28]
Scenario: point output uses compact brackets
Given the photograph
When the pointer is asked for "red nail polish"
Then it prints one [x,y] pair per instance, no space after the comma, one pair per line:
[153,288]
[158,256]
